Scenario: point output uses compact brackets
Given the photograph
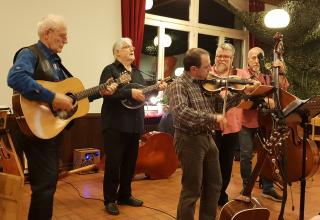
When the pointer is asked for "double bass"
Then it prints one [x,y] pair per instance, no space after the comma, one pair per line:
[293,151]
[156,157]
[272,169]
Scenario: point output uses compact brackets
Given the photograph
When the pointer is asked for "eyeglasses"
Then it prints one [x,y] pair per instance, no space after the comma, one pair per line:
[128,47]
[225,57]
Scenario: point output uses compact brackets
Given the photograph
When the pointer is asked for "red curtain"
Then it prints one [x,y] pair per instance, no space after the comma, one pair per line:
[132,17]
[255,6]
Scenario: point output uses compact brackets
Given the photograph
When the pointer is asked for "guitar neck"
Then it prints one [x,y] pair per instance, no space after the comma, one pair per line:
[94,90]
[150,88]
[155,86]
[255,174]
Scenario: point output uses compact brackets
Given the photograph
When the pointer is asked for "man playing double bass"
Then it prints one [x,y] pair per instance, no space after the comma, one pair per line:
[250,122]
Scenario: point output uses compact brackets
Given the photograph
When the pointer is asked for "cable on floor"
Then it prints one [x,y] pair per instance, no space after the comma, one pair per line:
[81,196]
[78,191]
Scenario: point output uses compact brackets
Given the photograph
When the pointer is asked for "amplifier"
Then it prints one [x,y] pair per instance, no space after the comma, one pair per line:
[85,156]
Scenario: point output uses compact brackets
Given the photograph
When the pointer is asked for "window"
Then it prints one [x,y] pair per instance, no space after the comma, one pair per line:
[149,57]
[209,43]
[195,23]
[212,13]
[178,9]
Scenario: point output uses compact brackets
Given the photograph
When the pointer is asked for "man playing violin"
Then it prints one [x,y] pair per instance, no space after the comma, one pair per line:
[227,139]
[194,118]
[250,121]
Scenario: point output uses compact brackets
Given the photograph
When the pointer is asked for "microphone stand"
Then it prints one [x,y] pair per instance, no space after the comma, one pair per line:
[304,120]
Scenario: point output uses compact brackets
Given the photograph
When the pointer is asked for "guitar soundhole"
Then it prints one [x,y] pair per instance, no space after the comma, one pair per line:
[132,102]
[63,115]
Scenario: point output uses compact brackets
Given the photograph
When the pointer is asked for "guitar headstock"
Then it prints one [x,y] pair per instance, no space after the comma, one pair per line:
[168,79]
[124,78]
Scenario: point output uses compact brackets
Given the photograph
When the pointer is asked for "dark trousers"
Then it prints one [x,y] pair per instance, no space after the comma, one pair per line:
[42,156]
[226,144]
[121,152]
[201,177]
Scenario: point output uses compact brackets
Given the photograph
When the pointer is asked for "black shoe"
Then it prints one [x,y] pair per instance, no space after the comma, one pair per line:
[112,208]
[273,195]
[131,202]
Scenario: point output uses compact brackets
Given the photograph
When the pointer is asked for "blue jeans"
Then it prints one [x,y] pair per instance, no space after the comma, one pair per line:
[246,136]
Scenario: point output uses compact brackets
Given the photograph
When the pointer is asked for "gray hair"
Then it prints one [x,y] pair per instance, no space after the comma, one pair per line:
[226,46]
[50,21]
[120,43]
[255,50]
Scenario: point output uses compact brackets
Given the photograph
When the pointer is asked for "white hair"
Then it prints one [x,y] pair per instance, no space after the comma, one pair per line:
[120,43]
[226,46]
[50,21]
[255,50]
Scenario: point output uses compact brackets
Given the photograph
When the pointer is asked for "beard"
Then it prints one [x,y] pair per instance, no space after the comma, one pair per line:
[256,69]
[222,67]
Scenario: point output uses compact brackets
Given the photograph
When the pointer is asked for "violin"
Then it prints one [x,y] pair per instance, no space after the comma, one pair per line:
[216,84]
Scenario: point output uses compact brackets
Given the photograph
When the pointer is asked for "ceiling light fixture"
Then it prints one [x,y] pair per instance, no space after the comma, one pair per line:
[277,18]
[149,4]
[165,41]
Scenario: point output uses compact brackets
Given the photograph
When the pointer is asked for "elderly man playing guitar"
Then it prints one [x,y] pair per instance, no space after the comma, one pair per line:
[41,62]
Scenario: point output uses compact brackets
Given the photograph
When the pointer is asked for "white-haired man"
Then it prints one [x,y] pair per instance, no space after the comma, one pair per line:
[250,122]
[121,129]
[41,62]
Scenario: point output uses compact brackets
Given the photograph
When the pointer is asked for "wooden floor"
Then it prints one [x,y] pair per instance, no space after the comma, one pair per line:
[160,198]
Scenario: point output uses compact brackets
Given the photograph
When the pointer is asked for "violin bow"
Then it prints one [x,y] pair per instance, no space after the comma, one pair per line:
[226,93]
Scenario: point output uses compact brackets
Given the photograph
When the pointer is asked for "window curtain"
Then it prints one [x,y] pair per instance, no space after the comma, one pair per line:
[132,17]
[255,6]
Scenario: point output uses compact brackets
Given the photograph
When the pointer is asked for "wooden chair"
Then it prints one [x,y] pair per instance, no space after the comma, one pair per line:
[315,122]
[12,177]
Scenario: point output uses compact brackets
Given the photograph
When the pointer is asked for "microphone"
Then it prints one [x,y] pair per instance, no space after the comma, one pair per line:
[262,64]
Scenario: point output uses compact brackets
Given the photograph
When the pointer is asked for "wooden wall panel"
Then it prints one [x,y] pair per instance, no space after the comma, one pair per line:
[83,132]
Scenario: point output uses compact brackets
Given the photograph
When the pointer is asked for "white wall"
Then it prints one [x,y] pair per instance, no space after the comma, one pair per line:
[93,27]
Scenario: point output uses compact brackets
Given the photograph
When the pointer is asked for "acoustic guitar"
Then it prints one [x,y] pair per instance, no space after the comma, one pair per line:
[131,103]
[38,119]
